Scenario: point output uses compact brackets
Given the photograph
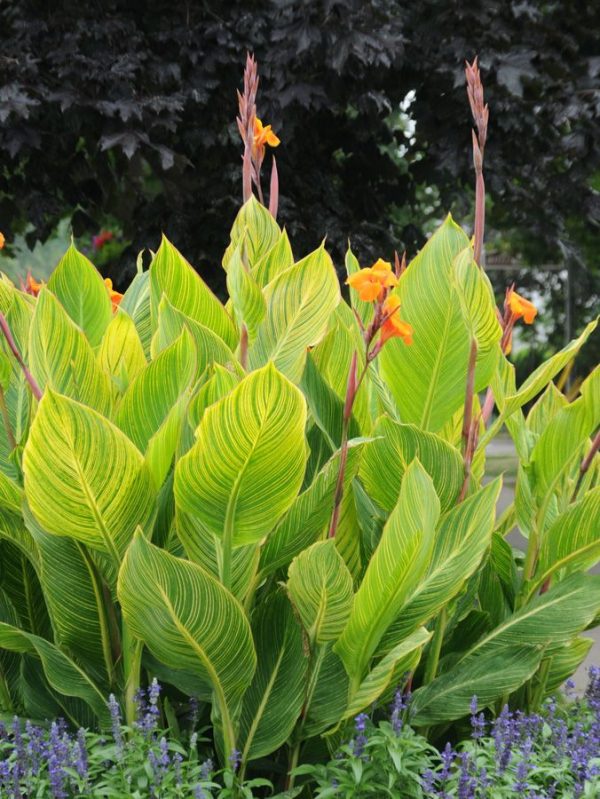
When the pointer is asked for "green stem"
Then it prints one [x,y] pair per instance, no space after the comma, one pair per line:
[435,648]
[540,689]
[132,663]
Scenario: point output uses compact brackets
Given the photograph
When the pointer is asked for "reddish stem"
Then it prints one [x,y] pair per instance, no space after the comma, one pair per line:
[35,389]
[586,463]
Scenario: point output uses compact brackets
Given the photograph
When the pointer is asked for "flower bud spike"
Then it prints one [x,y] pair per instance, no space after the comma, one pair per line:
[274,190]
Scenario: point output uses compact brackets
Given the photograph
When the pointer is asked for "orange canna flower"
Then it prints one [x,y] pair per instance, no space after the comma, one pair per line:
[371,281]
[264,134]
[2,240]
[115,296]
[31,285]
[520,307]
[394,327]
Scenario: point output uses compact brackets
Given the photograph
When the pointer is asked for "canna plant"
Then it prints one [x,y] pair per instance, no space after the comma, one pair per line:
[278,505]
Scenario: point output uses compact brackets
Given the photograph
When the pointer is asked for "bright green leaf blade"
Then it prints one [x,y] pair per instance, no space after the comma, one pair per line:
[572,543]
[397,565]
[84,478]
[246,296]
[427,379]
[78,285]
[274,700]
[404,657]
[62,358]
[187,619]
[309,514]
[300,302]
[202,547]
[321,590]
[396,445]
[256,224]
[539,378]
[565,660]
[172,275]
[80,628]
[209,347]
[136,303]
[551,618]
[219,383]
[272,263]
[247,465]
[461,540]
[121,354]
[491,675]
[156,390]
[65,676]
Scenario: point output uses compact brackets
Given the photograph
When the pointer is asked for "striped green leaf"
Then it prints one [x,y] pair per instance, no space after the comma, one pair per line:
[163,444]
[78,285]
[509,400]
[505,658]
[156,390]
[491,675]
[393,447]
[462,538]
[121,354]
[321,590]
[396,567]
[80,628]
[572,542]
[404,657]
[18,311]
[84,478]
[219,382]
[172,275]
[327,694]
[209,347]
[246,296]
[309,514]
[274,700]
[276,260]
[63,674]
[565,660]
[545,409]
[61,357]
[136,303]
[189,621]
[427,379]
[203,548]
[299,302]
[478,304]
[541,376]
[247,464]
[256,225]
[326,407]
[563,438]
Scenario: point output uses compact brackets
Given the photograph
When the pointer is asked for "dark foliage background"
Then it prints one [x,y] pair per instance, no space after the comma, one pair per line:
[127,108]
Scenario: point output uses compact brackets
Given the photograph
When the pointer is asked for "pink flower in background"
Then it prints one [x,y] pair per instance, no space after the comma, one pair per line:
[102,238]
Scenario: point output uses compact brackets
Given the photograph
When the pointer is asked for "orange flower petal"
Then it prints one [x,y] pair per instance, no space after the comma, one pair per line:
[2,240]
[520,307]
[32,286]
[394,327]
